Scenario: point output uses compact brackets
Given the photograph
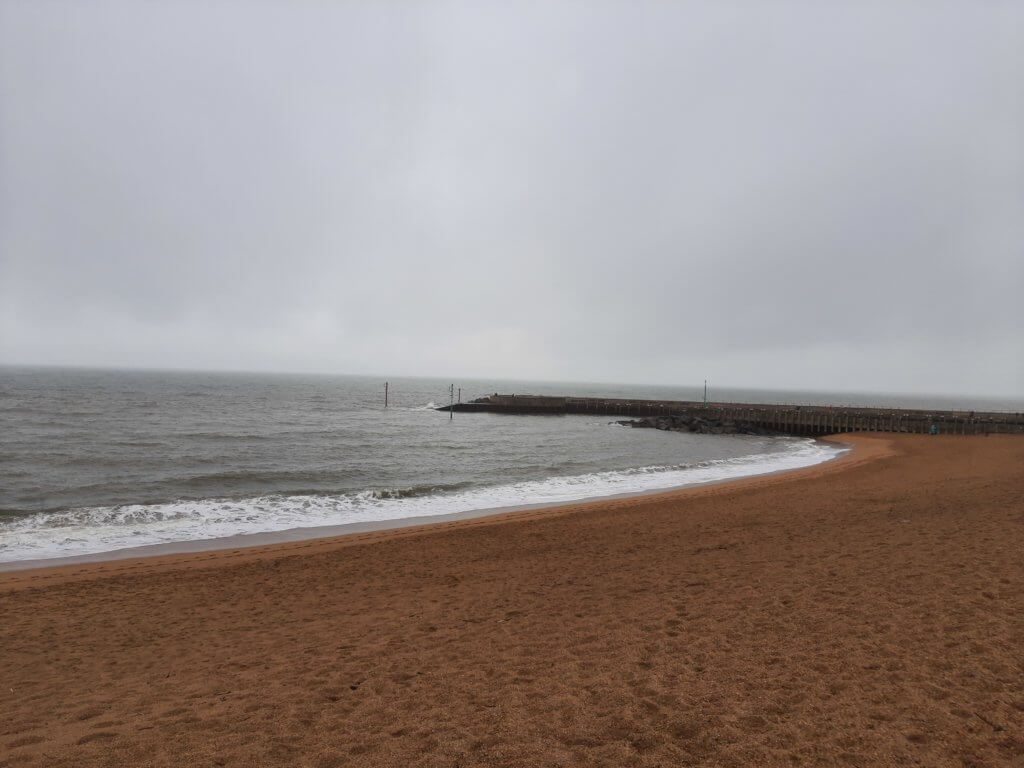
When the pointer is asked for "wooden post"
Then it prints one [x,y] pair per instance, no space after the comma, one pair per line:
[451,402]
[385,394]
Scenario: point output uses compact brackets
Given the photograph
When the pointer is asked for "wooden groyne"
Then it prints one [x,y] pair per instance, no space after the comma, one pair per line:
[802,420]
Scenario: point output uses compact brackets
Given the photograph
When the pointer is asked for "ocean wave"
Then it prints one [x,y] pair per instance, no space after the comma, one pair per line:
[413,492]
[91,530]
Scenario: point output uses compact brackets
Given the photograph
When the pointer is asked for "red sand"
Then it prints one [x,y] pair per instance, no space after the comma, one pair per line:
[865,612]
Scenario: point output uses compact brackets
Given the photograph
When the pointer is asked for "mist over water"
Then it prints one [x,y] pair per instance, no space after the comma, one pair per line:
[92,461]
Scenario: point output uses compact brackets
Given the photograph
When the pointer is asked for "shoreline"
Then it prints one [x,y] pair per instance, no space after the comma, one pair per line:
[864,611]
[858,449]
[314,533]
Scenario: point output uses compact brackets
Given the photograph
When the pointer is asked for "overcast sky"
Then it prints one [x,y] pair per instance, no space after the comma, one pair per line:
[766,194]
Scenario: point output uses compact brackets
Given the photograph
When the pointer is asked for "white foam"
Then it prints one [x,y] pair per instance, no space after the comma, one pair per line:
[431,406]
[104,529]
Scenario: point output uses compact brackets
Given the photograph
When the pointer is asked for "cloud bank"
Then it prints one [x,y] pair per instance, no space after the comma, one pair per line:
[779,194]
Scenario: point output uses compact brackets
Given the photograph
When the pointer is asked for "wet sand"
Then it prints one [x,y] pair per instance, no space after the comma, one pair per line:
[867,611]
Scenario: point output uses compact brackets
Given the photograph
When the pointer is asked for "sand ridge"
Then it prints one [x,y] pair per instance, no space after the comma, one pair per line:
[867,612]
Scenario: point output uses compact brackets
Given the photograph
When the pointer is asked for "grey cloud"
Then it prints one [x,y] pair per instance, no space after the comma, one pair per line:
[773,194]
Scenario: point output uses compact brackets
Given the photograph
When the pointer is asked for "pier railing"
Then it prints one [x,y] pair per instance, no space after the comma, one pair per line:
[804,420]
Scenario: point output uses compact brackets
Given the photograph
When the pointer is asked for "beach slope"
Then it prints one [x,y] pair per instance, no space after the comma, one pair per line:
[868,612]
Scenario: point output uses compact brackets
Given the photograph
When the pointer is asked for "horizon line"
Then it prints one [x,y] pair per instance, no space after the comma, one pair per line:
[388,377]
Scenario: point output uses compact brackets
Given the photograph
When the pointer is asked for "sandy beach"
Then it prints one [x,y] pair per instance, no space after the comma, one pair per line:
[865,612]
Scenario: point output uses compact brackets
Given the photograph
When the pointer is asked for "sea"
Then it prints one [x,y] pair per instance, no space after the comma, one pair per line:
[104,461]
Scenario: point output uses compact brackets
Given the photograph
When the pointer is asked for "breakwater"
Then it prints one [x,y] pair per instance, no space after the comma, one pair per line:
[801,420]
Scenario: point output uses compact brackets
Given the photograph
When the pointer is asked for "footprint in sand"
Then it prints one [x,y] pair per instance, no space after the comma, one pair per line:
[88,714]
[24,741]
[98,736]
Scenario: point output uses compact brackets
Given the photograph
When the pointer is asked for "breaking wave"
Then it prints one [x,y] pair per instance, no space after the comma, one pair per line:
[91,530]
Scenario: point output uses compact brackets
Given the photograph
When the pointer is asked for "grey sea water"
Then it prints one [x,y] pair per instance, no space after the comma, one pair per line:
[95,461]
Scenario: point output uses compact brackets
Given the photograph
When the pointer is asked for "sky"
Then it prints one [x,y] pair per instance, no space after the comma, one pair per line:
[766,194]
